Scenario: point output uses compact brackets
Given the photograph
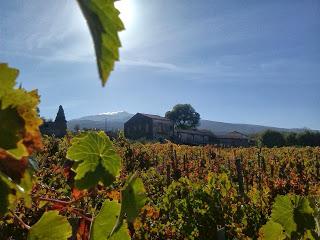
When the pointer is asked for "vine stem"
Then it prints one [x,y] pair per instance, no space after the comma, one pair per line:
[23,224]
[81,215]
[74,210]
[56,200]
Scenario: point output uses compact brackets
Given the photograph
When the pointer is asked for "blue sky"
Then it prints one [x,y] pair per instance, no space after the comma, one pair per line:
[235,61]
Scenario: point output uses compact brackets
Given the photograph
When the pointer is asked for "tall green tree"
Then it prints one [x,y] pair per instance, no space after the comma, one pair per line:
[60,123]
[272,139]
[184,116]
[291,139]
[308,138]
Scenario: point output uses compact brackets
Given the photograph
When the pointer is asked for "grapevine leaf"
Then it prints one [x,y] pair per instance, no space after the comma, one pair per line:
[22,191]
[42,204]
[315,204]
[7,78]
[51,226]
[11,128]
[96,160]
[26,187]
[311,235]
[19,121]
[105,221]
[272,231]
[282,213]
[133,197]
[26,104]
[303,214]
[19,137]
[104,24]
[293,213]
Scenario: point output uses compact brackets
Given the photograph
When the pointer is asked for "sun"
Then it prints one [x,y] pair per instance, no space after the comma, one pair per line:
[126,9]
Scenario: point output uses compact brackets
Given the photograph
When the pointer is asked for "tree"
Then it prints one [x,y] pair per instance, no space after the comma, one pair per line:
[272,139]
[60,123]
[184,116]
[308,138]
[291,139]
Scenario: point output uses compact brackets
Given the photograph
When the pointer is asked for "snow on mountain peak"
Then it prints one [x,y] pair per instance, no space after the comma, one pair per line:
[111,113]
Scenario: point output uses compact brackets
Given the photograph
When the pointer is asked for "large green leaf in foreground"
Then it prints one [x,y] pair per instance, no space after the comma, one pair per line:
[291,215]
[51,226]
[272,231]
[19,136]
[18,117]
[105,221]
[104,24]
[96,158]
[133,197]
[11,123]
[11,193]
[7,78]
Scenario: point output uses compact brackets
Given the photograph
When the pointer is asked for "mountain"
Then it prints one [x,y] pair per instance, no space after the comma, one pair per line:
[222,127]
[108,120]
[121,116]
[115,120]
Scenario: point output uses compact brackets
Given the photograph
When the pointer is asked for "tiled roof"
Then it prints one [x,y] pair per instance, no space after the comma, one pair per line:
[155,117]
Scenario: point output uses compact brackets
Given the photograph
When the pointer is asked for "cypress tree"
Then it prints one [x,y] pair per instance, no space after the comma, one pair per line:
[60,123]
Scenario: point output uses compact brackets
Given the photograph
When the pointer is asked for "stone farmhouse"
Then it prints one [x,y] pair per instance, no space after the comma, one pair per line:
[234,139]
[151,127]
[194,137]
[154,127]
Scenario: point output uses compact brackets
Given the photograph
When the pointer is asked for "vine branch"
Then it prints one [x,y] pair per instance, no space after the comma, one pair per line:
[23,224]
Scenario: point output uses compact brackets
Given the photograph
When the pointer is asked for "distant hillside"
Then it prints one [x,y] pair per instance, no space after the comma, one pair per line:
[109,120]
[221,127]
[116,120]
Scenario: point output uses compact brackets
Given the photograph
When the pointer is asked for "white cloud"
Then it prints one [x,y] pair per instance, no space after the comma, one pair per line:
[152,64]
[48,30]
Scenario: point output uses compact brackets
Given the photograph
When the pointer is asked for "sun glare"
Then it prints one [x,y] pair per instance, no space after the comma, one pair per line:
[126,9]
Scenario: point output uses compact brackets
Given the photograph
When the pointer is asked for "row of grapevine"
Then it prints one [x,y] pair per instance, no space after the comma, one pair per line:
[249,185]
[204,202]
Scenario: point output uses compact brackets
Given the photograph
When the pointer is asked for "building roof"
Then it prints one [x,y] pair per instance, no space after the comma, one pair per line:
[233,135]
[195,131]
[156,117]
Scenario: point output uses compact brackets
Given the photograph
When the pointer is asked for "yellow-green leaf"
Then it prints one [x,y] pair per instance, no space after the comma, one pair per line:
[105,221]
[104,24]
[18,116]
[272,231]
[293,213]
[7,78]
[133,197]
[11,128]
[26,185]
[51,226]
[96,160]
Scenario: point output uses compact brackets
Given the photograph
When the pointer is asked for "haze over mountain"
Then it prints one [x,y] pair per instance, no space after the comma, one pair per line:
[115,120]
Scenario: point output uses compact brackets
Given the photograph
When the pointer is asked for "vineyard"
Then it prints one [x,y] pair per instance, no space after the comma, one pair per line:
[192,192]
[87,186]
